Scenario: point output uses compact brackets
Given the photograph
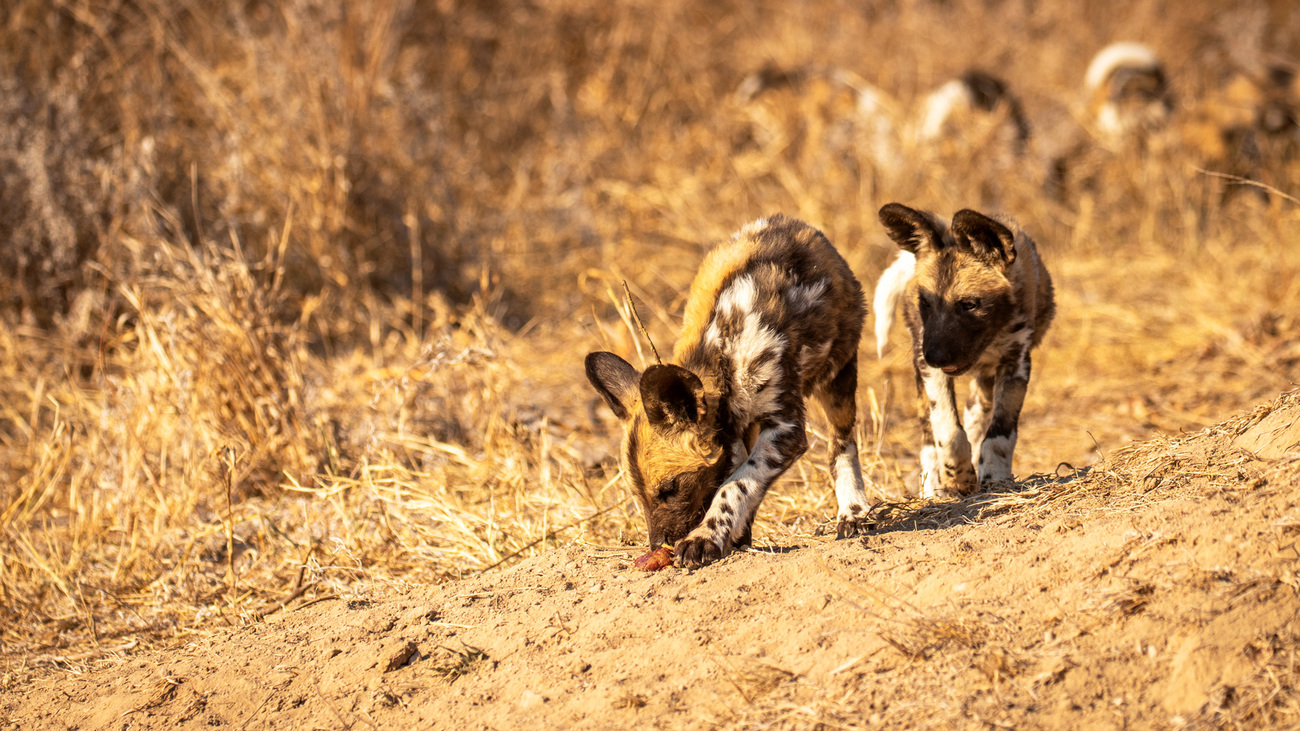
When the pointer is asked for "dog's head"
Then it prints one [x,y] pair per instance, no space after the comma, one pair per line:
[671,446]
[960,292]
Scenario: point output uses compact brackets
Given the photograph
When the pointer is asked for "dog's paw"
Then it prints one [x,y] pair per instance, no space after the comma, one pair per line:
[930,482]
[693,552]
[957,479]
[945,484]
[963,474]
[1002,484]
[995,461]
[853,527]
[949,485]
[935,480]
[853,521]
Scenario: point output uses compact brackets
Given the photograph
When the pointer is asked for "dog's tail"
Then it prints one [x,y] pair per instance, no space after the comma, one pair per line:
[888,290]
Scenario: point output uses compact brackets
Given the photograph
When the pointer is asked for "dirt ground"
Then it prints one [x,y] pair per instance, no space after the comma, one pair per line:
[1157,589]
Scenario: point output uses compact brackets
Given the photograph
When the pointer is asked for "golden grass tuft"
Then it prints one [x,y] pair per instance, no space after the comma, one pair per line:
[292,299]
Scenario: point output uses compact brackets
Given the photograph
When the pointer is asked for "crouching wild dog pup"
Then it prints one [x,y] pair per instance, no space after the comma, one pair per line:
[774,315]
[976,299]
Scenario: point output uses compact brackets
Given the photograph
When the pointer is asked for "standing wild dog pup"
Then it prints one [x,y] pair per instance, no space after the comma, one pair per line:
[976,299]
[774,315]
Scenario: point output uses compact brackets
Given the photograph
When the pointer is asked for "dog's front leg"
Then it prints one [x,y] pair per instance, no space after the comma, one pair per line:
[979,409]
[739,455]
[946,469]
[1000,440]
[728,519]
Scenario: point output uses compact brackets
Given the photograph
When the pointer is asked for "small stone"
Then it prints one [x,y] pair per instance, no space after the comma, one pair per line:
[396,656]
[529,699]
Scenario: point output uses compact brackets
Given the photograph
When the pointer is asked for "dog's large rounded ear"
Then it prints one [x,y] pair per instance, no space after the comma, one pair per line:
[615,380]
[988,239]
[909,228]
[673,397]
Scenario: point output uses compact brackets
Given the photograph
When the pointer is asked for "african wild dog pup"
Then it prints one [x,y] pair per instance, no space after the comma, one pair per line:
[774,315]
[1127,93]
[976,299]
[973,106]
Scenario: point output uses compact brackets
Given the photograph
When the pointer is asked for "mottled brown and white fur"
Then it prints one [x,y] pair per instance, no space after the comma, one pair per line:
[976,299]
[774,316]
[975,110]
[1127,93]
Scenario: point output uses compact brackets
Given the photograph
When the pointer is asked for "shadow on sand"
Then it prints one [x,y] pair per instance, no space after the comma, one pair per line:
[979,507]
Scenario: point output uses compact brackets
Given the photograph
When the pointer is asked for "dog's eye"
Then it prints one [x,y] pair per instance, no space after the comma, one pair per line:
[923,303]
[667,489]
[968,304]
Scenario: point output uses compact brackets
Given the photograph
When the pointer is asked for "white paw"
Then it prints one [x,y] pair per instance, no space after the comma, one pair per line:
[995,459]
[930,477]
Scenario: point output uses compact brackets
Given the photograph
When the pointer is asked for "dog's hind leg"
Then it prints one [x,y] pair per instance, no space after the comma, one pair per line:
[838,398]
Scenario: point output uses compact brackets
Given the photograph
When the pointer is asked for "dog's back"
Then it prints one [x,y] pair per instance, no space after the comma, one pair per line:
[776,301]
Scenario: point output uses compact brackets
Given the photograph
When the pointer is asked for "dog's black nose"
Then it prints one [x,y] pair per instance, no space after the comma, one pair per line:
[937,356]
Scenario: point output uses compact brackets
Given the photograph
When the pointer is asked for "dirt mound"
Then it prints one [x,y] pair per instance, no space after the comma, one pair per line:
[1155,589]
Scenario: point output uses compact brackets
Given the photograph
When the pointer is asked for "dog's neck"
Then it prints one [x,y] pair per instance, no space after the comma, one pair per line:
[713,367]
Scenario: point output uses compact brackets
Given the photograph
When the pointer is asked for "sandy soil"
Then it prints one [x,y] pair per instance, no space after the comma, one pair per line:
[1157,589]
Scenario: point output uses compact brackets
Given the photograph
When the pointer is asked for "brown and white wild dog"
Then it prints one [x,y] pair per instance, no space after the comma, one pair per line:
[973,111]
[774,316]
[976,299]
[1127,94]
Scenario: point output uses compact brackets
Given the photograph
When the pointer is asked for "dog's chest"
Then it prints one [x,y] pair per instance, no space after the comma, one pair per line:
[1011,342]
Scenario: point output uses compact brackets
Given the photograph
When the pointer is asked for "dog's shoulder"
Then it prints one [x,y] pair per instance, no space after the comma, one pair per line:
[1032,281]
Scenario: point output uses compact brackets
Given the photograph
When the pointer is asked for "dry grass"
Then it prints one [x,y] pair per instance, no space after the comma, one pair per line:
[292,297]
